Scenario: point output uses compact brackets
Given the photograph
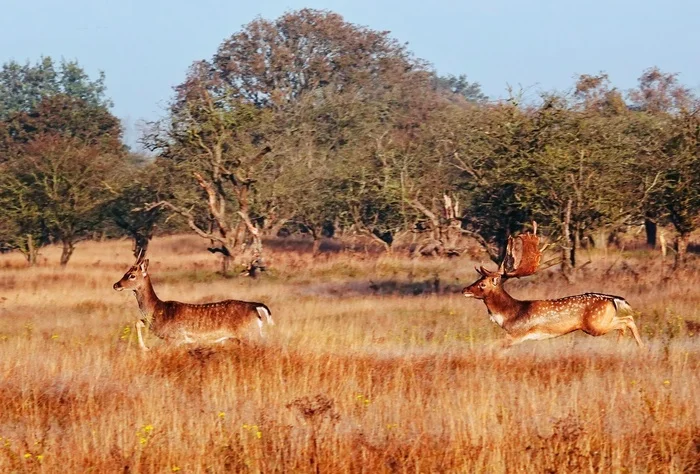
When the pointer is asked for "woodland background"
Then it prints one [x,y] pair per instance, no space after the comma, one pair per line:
[307,124]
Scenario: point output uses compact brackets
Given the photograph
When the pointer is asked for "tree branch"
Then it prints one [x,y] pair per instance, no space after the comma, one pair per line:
[416,204]
[187,215]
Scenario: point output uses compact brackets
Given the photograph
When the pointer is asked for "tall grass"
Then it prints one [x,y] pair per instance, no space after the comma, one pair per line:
[375,365]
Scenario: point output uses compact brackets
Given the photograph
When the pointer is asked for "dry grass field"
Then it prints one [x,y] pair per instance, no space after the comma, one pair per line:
[376,364]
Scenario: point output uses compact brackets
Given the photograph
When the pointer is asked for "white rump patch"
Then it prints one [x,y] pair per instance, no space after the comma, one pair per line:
[264,313]
[622,305]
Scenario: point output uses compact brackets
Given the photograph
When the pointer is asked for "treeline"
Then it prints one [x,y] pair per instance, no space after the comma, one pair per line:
[311,124]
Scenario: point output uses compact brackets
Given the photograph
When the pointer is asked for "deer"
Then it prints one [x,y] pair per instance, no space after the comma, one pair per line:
[595,314]
[179,323]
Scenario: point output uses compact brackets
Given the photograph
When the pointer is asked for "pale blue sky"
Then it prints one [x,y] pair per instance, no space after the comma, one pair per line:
[145,46]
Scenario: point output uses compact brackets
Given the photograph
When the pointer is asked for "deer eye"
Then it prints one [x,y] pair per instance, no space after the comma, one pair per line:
[132,277]
[482,285]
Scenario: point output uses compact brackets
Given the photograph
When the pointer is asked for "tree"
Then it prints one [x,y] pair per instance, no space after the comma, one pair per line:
[54,121]
[486,146]
[309,188]
[61,156]
[273,63]
[681,180]
[576,165]
[218,143]
[229,125]
[22,223]
[22,87]
[66,182]
[139,183]
[459,86]
[660,92]
[657,99]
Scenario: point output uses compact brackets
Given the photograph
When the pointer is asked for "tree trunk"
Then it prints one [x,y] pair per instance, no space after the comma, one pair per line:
[255,252]
[567,256]
[316,246]
[67,251]
[225,264]
[32,251]
[387,245]
[662,243]
[650,227]
[681,246]
[577,240]
[600,239]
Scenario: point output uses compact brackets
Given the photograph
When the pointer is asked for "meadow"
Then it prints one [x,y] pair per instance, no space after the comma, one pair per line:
[376,364]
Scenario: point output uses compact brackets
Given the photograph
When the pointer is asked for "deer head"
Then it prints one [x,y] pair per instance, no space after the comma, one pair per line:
[522,259]
[135,278]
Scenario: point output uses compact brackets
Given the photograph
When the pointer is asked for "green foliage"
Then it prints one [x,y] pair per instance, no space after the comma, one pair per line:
[61,148]
[23,86]
[680,191]
[460,86]
[138,183]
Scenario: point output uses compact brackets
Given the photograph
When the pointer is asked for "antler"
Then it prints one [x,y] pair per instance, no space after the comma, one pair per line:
[522,255]
[141,256]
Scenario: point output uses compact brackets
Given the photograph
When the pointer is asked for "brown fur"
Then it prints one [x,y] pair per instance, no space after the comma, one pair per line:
[179,322]
[593,313]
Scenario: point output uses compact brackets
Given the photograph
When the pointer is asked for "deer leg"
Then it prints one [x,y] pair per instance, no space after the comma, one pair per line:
[260,326]
[620,323]
[507,342]
[635,332]
[531,336]
[620,334]
[139,325]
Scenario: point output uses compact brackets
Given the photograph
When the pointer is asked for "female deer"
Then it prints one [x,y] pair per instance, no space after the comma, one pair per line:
[183,322]
[593,313]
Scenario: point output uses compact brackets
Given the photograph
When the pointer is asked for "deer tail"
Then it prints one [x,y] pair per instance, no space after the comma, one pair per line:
[622,306]
[264,312]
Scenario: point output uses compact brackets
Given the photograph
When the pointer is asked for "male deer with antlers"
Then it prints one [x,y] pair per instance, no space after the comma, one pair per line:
[593,313]
[183,322]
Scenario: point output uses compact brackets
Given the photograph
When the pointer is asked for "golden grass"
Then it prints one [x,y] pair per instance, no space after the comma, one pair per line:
[351,379]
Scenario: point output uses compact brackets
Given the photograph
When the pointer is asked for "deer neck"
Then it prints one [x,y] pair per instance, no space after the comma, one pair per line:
[502,307]
[148,300]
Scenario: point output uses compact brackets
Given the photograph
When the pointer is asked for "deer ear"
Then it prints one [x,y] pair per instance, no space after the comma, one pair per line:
[144,267]
[496,280]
